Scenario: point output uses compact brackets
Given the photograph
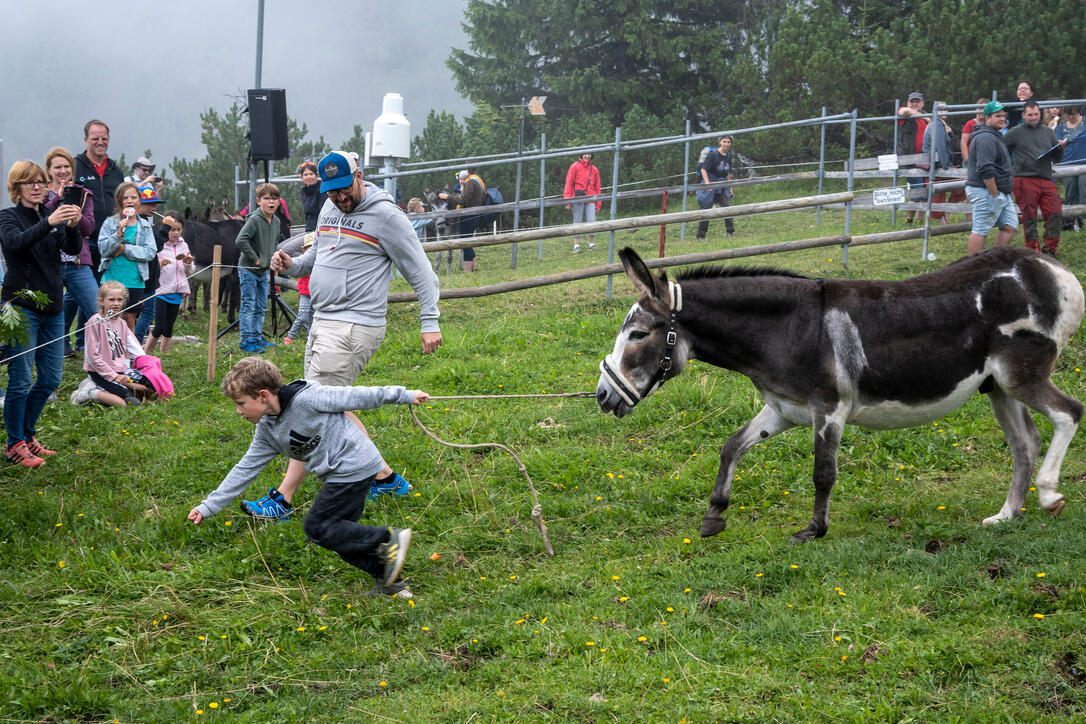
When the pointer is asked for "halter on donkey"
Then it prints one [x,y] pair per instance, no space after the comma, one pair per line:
[824,353]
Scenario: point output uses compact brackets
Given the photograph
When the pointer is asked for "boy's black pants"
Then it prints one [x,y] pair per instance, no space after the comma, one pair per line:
[332,523]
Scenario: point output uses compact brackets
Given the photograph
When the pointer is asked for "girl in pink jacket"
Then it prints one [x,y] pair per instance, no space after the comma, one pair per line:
[176,262]
[107,356]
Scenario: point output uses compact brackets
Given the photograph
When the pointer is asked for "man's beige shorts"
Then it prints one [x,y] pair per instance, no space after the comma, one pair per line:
[337,352]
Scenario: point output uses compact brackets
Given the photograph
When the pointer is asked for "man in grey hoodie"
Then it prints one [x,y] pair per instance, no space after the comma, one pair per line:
[989,183]
[361,235]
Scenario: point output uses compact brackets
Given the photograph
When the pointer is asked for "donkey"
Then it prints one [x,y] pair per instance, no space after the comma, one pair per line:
[444,228]
[825,353]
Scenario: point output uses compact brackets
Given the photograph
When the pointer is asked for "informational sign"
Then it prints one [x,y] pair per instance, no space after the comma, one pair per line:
[885,197]
[888,162]
[535,106]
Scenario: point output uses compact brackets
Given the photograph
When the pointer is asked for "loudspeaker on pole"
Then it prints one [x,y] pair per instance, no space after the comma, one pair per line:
[268,124]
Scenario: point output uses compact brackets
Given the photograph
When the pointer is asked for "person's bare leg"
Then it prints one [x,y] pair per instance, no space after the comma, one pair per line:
[152,341]
[976,243]
[167,343]
[1004,236]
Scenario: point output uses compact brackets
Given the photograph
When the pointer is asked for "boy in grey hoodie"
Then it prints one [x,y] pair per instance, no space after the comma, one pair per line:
[305,421]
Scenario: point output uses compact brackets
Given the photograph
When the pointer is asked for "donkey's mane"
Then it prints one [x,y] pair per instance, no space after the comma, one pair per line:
[724,272]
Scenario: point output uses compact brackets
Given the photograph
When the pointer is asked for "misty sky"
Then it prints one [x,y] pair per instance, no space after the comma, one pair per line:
[150,69]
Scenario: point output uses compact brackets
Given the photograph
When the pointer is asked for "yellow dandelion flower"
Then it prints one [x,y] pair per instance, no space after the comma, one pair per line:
[623,599]
[322,628]
[425,628]
[383,683]
[225,701]
[686,541]
[199,712]
[589,643]
[614,578]
[410,603]
[300,628]
[518,622]
[213,705]
[513,577]
[60,564]
[686,590]
[224,635]
[1038,615]
[758,575]
[941,507]
[844,658]
[642,638]
[669,609]
[1040,575]
[793,566]
[667,680]
[228,523]
[611,475]
[200,638]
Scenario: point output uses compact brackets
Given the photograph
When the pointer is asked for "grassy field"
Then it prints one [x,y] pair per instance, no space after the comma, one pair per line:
[114,608]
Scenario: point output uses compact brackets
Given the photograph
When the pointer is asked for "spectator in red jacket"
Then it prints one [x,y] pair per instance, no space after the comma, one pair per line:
[583,179]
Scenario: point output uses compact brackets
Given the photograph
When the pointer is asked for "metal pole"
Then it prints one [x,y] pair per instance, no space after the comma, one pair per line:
[614,205]
[686,178]
[542,185]
[893,209]
[237,181]
[520,167]
[931,176]
[259,65]
[821,167]
[851,184]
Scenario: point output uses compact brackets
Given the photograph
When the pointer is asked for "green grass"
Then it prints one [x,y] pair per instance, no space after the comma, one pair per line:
[113,607]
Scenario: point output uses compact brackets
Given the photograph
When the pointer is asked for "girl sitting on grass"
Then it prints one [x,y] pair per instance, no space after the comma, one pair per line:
[107,357]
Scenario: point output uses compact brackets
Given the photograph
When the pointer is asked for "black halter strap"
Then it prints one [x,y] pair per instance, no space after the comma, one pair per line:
[623,386]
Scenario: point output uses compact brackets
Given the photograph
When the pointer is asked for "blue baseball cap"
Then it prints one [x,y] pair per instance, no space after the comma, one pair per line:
[336,170]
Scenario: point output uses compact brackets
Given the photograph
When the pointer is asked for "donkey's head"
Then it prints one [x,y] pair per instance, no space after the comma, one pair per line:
[650,347]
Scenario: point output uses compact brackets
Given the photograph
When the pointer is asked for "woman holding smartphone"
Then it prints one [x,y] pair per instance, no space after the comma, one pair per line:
[127,244]
[32,239]
[80,287]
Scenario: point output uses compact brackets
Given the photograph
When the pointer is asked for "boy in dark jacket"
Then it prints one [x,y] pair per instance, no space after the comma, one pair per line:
[989,183]
[256,241]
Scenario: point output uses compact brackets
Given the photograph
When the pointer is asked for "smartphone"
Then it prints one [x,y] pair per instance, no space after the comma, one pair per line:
[73,195]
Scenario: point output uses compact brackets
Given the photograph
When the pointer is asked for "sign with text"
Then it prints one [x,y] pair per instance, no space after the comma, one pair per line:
[888,162]
[885,197]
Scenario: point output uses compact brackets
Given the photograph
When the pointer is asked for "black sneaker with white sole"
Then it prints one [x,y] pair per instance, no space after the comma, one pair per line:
[397,589]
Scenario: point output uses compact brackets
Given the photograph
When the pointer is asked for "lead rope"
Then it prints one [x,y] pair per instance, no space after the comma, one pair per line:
[537,508]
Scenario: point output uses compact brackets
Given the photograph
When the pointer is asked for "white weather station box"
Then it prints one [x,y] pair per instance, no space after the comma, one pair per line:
[391,130]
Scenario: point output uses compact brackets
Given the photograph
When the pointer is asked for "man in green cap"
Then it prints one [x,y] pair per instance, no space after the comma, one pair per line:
[990,181]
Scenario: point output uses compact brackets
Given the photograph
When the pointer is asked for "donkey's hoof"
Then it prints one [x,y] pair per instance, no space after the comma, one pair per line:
[712,526]
[806,535]
[1056,507]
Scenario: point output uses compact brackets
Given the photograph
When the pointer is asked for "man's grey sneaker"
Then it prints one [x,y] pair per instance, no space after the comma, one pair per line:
[395,485]
[396,589]
[272,506]
[394,553]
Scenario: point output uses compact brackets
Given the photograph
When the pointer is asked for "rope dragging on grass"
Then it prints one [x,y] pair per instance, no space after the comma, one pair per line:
[537,508]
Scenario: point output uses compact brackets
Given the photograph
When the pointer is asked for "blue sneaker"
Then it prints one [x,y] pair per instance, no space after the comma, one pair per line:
[394,486]
[271,507]
[250,345]
[265,343]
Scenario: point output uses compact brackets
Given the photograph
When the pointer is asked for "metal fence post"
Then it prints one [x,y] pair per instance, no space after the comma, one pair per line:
[851,183]
[931,129]
[614,207]
[542,185]
[893,209]
[821,166]
[686,179]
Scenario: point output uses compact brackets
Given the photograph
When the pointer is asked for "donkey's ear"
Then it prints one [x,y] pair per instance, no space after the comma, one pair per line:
[639,274]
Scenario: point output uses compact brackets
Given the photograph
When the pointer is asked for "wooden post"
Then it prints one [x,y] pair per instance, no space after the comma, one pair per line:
[213,321]
[663,227]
